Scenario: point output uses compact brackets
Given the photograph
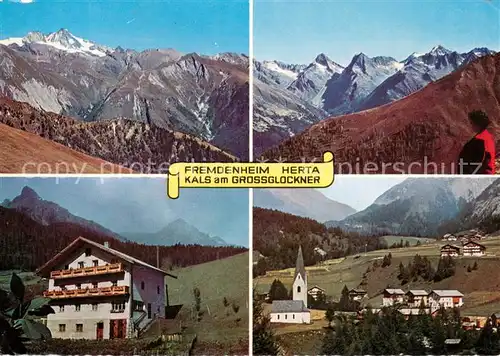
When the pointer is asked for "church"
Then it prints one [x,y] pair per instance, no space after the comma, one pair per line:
[294,311]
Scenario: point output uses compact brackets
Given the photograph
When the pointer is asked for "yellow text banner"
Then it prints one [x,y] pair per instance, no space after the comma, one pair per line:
[250,175]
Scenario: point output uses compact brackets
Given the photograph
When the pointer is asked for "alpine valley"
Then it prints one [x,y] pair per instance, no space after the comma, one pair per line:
[122,105]
[370,102]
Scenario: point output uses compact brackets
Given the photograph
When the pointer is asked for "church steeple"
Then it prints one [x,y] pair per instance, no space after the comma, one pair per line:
[300,279]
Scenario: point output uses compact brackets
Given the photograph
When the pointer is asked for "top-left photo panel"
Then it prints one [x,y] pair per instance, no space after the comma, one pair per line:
[122,86]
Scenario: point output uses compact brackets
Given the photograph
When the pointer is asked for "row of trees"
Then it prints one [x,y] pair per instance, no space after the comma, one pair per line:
[390,333]
[26,244]
[421,267]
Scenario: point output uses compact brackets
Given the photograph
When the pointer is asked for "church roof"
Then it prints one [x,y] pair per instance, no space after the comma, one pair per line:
[299,266]
[288,306]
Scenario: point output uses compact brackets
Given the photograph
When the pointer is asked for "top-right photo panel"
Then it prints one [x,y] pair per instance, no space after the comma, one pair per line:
[389,87]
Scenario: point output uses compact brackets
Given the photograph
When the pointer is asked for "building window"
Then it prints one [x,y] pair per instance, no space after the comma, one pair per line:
[61,308]
[298,289]
[117,307]
[138,306]
[79,328]
[157,289]
[66,267]
[62,328]
[149,310]
[78,286]
[286,316]
[142,285]
[115,283]
[94,285]
[94,307]
[88,252]
[96,263]
[278,317]
[77,307]
[293,316]
[81,264]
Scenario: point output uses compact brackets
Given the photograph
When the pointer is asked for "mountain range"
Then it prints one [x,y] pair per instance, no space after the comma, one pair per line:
[420,133]
[201,96]
[419,206]
[308,203]
[47,213]
[325,88]
[176,232]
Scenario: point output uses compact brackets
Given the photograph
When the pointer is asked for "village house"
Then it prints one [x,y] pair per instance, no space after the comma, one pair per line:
[315,292]
[392,297]
[100,293]
[357,294]
[413,311]
[294,311]
[450,251]
[446,299]
[320,252]
[472,248]
[416,297]
[449,237]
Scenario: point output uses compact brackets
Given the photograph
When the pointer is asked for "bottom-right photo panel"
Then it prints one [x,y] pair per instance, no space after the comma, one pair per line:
[378,265]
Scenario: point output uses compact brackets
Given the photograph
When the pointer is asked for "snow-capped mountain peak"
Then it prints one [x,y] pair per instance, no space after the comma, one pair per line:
[439,51]
[62,40]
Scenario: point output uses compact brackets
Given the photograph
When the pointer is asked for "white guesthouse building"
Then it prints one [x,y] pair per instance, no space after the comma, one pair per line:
[294,311]
[101,293]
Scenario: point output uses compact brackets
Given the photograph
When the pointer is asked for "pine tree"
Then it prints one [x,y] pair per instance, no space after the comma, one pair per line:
[264,342]
[278,291]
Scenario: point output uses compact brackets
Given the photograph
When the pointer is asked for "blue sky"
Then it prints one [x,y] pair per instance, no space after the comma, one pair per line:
[360,191]
[141,204]
[296,31]
[203,26]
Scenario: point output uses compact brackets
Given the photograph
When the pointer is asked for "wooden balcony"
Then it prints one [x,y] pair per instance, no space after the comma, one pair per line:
[87,292]
[87,271]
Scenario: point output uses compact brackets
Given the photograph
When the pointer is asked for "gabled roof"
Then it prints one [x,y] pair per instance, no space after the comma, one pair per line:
[357,291]
[299,266]
[315,286]
[447,293]
[418,292]
[394,291]
[288,306]
[80,241]
[451,246]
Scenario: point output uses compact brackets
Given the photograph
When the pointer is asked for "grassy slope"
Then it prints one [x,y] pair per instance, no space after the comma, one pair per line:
[20,147]
[216,280]
[412,240]
[481,287]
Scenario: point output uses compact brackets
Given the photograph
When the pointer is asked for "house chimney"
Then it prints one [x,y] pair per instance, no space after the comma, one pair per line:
[106,244]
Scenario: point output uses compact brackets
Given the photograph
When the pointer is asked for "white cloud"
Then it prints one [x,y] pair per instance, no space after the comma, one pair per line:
[22,1]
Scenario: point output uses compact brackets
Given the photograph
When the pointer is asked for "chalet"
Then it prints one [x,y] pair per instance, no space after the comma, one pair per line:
[100,293]
[392,296]
[315,292]
[472,248]
[320,252]
[450,237]
[294,311]
[450,251]
[446,299]
[357,294]
[416,297]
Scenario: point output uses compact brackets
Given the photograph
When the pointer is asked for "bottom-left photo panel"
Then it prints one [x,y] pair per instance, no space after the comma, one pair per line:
[112,266]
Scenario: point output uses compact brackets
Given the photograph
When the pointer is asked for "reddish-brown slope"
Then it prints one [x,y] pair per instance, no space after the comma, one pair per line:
[136,145]
[431,123]
[24,152]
